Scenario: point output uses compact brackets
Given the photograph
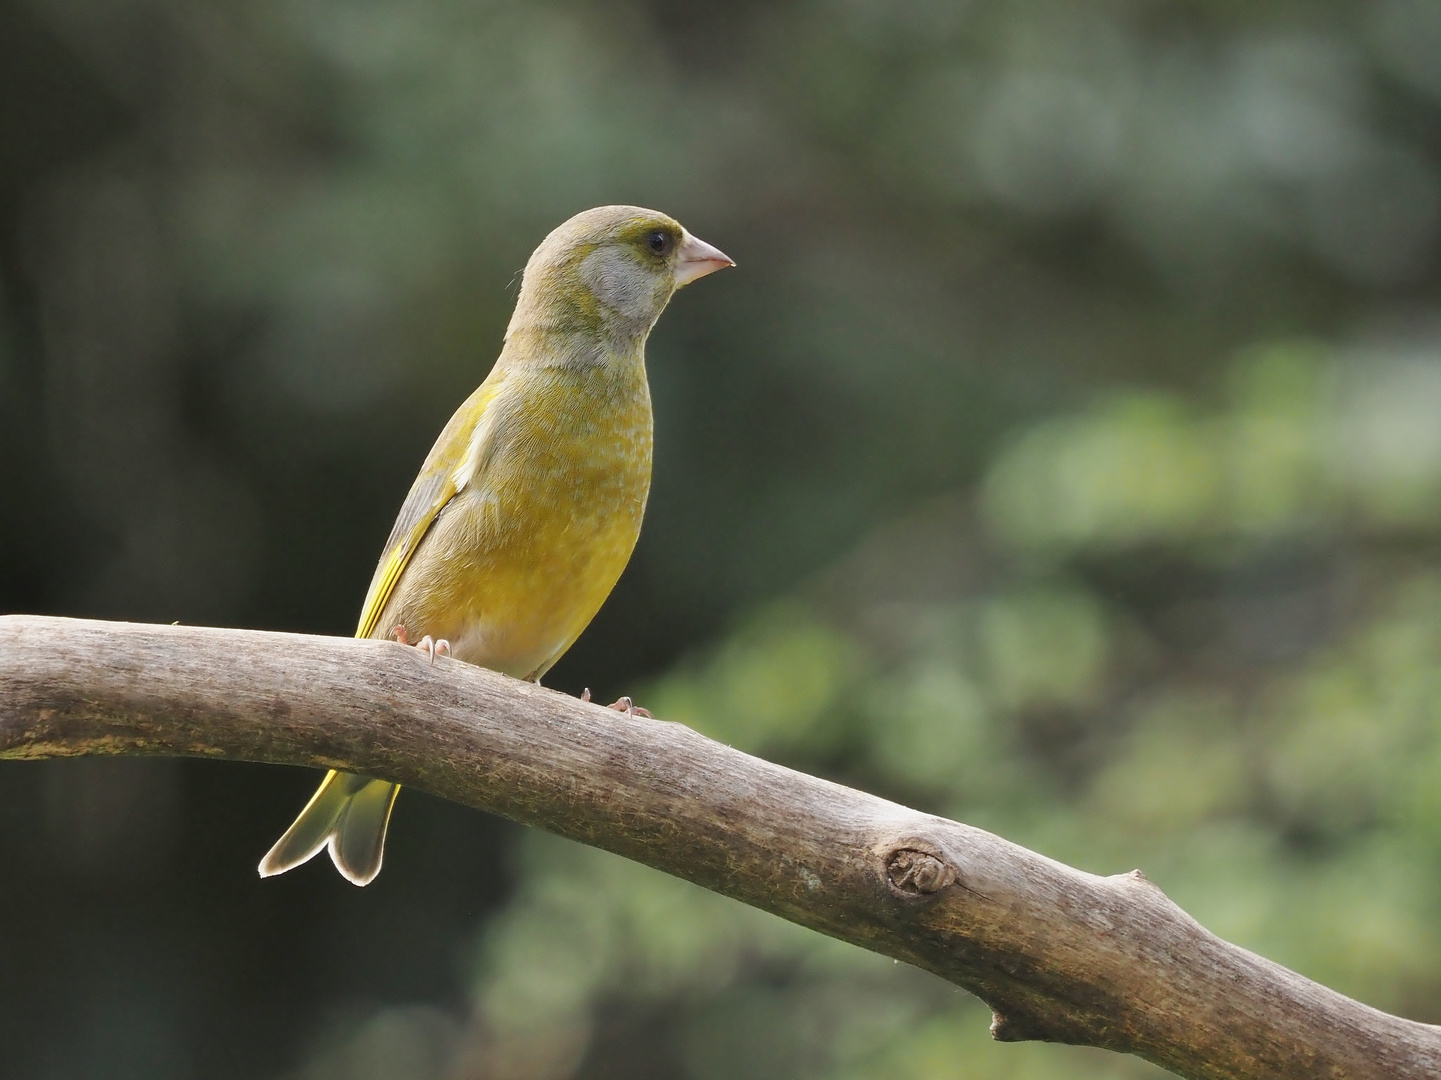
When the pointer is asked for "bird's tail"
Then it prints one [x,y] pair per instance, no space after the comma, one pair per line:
[347,814]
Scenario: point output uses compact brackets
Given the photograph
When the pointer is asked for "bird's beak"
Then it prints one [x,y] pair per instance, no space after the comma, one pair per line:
[697,259]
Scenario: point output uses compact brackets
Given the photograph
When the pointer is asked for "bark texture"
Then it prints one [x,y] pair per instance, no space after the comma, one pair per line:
[1058,954]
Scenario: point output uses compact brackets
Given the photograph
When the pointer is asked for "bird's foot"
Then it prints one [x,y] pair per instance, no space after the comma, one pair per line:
[426,644]
[623,704]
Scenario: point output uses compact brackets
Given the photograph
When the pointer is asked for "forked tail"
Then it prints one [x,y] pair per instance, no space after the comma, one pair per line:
[348,814]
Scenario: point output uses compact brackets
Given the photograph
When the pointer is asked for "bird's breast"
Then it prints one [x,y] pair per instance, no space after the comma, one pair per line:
[525,555]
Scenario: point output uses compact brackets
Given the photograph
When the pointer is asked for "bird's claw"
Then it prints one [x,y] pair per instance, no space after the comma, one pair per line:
[426,644]
[622,704]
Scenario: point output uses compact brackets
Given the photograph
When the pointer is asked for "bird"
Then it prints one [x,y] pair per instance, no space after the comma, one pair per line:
[528,506]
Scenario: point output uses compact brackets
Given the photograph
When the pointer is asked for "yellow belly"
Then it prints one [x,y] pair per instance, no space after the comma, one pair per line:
[517,564]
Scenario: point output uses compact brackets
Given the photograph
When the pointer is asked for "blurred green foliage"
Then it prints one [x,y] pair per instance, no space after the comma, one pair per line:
[1062,456]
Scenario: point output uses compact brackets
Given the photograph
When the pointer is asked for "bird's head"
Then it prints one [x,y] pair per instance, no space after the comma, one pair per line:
[611,271]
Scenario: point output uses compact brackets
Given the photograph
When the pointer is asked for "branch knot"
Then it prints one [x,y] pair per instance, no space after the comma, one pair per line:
[912,872]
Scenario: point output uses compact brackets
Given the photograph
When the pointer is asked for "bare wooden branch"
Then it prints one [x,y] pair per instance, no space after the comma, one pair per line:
[1058,954]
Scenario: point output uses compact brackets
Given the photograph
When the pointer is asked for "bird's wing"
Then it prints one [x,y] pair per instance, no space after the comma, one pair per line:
[458,454]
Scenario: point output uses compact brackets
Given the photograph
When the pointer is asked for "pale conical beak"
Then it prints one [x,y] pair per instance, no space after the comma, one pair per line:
[697,259]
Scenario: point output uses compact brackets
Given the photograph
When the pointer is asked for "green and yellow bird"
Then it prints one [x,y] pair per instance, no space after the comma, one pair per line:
[529,504]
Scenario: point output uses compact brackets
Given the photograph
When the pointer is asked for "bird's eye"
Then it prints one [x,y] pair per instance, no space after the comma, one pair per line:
[659,242]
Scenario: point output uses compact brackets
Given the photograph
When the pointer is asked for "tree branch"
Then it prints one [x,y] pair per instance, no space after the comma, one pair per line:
[1058,954]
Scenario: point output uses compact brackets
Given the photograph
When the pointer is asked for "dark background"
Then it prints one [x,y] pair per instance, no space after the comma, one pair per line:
[1072,413]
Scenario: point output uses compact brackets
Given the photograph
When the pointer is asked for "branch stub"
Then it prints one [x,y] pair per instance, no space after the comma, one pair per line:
[913,873]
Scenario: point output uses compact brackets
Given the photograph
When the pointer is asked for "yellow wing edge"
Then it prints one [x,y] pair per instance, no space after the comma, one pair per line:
[375,603]
[453,449]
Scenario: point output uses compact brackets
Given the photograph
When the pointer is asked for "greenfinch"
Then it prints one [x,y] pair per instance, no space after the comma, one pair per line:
[529,504]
